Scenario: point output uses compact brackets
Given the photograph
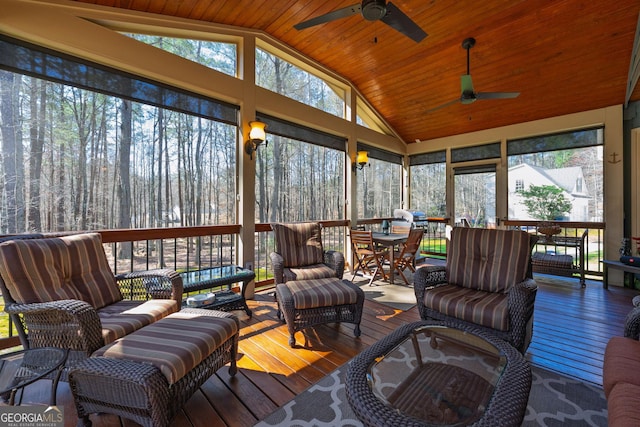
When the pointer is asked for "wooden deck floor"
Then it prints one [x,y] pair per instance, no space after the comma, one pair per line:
[572,326]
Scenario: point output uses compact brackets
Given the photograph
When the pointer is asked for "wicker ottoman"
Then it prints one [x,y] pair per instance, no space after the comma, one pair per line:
[148,375]
[312,302]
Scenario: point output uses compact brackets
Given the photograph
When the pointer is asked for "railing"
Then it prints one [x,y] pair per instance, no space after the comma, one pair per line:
[189,248]
[593,248]
[178,248]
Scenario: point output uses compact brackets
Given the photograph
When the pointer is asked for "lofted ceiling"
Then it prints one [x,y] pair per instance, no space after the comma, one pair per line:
[563,56]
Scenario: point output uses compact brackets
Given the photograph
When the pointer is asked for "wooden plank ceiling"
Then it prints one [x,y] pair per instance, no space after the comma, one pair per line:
[563,56]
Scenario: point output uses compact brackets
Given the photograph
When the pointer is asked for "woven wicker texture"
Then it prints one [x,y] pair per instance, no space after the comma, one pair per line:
[75,324]
[520,295]
[139,391]
[300,318]
[506,407]
[304,252]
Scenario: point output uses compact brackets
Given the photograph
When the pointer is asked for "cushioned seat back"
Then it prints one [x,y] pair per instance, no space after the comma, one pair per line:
[299,244]
[487,259]
[49,269]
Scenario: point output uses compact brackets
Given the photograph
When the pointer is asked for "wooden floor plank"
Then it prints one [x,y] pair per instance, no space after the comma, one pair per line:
[572,326]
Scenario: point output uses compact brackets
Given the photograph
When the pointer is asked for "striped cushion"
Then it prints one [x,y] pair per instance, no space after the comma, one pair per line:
[486,259]
[69,267]
[317,271]
[299,244]
[488,309]
[175,344]
[325,292]
[124,317]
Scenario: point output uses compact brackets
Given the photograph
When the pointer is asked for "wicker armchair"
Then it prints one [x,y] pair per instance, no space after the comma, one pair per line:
[486,282]
[299,254]
[60,292]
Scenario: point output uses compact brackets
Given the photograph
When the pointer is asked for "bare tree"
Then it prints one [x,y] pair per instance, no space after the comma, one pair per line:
[124,187]
[12,153]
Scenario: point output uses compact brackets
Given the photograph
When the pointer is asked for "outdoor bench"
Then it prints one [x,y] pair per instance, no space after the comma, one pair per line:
[562,264]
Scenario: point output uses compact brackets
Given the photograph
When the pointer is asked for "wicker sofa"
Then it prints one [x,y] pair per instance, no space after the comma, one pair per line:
[61,292]
[621,373]
[486,282]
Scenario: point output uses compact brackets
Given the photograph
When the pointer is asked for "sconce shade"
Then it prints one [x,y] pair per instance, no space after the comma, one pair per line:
[362,159]
[257,135]
[257,132]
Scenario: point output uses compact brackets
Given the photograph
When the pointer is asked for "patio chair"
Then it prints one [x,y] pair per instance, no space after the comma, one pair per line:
[60,292]
[299,254]
[486,282]
[400,227]
[406,257]
[368,256]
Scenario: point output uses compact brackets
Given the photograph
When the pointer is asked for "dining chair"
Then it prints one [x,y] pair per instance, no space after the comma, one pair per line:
[406,257]
[400,227]
[368,256]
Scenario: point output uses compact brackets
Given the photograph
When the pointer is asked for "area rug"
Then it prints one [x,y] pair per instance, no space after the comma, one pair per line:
[555,400]
[397,296]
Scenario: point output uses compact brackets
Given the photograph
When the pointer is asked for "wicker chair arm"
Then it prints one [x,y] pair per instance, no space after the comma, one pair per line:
[428,276]
[632,323]
[277,263]
[160,283]
[335,260]
[71,324]
[425,278]
[522,297]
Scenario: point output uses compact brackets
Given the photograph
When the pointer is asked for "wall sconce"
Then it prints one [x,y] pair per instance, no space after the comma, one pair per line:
[257,135]
[362,159]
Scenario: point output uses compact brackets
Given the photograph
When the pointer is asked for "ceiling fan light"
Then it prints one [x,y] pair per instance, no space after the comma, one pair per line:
[374,10]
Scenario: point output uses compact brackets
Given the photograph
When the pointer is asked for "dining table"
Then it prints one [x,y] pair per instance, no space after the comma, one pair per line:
[390,240]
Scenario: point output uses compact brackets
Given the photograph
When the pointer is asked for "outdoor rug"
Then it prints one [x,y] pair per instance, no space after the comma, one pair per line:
[555,400]
[397,296]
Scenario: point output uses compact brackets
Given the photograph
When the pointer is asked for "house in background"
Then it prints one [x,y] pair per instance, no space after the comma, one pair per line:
[570,180]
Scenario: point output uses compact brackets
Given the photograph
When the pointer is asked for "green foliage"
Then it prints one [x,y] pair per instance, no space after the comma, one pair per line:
[545,202]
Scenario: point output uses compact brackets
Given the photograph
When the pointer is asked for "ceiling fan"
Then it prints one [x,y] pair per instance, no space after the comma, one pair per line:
[372,10]
[468,94]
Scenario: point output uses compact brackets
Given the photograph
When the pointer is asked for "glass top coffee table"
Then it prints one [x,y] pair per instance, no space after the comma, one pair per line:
[21,368]
[429,374]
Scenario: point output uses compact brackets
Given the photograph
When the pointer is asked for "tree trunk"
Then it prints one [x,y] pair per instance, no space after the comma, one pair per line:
[9,151]
[124,187]
[36,133]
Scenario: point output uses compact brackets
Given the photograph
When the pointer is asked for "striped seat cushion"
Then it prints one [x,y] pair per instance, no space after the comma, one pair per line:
[299,244]
[124,317]
[488,309]
[175,345]
[325,292]
[50,269]
[317,271]
[486,259]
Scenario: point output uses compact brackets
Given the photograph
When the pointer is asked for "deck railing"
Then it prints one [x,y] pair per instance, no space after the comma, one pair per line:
[189,248]
[593,247]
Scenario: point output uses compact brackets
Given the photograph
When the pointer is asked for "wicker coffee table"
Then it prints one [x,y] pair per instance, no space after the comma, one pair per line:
[431,374]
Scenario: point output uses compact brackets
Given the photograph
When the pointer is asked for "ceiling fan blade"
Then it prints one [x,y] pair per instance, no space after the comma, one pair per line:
[396,19]
[331,16]
[446,104]
[497,95]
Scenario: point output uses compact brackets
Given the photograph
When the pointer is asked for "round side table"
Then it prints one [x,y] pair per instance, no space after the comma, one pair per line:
[21,368]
